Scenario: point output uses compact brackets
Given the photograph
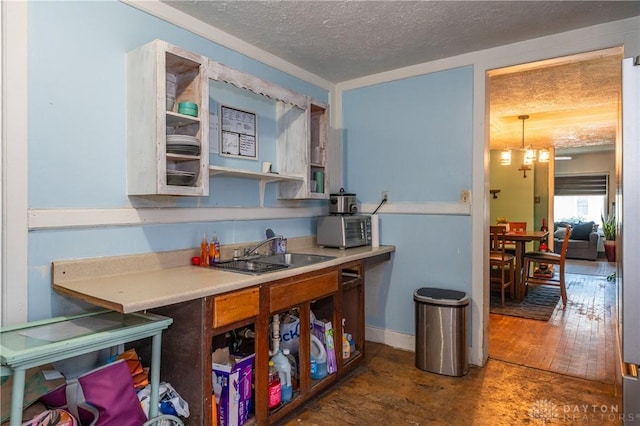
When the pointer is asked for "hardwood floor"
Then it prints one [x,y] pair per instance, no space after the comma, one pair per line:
[559,372]
[578,341]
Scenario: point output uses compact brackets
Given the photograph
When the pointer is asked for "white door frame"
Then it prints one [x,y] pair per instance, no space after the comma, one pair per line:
[13,165]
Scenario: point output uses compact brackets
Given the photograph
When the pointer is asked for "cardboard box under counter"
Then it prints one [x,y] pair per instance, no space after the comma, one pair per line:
[232,387]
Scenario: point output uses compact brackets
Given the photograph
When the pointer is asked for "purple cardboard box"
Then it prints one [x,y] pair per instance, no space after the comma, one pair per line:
[232,387]
[323,330]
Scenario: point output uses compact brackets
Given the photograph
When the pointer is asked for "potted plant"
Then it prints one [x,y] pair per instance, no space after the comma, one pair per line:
[609,230]
[503,221]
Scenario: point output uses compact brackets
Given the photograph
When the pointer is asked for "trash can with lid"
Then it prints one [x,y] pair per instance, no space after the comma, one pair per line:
[441,331]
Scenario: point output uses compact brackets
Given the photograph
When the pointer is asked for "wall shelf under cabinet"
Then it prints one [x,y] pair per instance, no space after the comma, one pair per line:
[262,178]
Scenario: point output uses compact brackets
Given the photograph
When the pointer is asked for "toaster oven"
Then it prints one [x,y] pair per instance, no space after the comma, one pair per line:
[344,231]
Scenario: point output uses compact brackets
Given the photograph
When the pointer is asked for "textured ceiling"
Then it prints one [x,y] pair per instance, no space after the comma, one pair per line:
[574,103]
[571,102]
[342,40]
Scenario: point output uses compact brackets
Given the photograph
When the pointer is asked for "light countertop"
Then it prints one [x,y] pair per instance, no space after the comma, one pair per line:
[136,283]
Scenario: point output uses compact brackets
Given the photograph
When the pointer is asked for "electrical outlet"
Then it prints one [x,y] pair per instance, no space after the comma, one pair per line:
[385,196]
[465,196]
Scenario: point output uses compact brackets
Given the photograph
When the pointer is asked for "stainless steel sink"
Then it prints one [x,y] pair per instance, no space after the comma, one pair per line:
[295,259]
[249,266]
[271,263]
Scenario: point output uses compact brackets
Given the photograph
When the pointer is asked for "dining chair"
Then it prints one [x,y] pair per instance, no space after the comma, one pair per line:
[549,258]
[517,227]
[501,263]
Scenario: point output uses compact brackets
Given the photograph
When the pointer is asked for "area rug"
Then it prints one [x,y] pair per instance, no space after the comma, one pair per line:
[539,303]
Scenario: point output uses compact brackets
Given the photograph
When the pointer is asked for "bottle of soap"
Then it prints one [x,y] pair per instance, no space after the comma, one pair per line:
[216,243]
[204,251]
[212,249]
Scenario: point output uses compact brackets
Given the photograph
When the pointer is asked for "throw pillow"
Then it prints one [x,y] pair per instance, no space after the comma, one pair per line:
[559,234]
[561,225]
[581,231]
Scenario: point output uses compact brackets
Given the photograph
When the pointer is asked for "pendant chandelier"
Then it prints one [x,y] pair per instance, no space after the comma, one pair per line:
[529,153]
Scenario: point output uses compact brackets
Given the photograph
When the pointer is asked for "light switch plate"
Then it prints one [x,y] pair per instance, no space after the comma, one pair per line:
[465,196]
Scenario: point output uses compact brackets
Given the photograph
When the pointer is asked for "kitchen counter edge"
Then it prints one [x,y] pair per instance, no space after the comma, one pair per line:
[148,289]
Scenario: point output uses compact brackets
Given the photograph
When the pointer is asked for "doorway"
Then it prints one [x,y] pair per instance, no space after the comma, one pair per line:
[568,117]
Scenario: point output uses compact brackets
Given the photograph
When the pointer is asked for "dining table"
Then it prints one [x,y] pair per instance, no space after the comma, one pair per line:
[521,238]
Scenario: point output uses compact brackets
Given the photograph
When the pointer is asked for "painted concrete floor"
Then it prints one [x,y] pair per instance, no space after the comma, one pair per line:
[388,390]
[558,372]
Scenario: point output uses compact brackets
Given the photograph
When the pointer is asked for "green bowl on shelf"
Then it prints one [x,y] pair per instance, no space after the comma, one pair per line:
[188,108]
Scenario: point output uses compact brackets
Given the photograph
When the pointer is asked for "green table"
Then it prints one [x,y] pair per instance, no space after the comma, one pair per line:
[37,343]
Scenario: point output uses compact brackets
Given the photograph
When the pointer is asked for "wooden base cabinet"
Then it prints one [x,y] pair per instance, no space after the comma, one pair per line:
[203,325]
[331,294]
[317,291]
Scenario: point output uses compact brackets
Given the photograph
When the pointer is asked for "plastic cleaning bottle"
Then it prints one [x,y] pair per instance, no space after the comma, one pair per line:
[281,363]
[274,386]
[352,343]
[318,359]
[204,251]
[346,348]
[294,368]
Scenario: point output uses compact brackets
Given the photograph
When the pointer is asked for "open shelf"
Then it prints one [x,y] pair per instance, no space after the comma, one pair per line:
[262,178]
[175,119]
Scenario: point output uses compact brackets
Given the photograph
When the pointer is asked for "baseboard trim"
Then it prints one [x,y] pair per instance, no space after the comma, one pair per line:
[398,340]
[390,338]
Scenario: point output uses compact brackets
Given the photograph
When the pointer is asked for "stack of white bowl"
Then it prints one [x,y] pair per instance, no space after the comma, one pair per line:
[172,83]
[183,144]
[182,172]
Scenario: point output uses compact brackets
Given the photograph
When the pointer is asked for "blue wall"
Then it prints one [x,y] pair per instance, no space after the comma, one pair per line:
[413,138]
[77,140]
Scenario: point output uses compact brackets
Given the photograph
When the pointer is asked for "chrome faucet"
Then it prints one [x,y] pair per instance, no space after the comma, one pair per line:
[249,251]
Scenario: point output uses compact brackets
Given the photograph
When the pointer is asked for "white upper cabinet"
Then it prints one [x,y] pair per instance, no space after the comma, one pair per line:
[167,146]
[302,150]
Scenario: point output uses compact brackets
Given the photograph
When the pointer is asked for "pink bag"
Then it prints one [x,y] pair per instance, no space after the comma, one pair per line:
[102,397]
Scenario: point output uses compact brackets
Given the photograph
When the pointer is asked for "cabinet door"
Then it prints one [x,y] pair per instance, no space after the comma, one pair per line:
[352,312]
[236,306]
[302,149]
[167,146]
[282,296]
[318,147]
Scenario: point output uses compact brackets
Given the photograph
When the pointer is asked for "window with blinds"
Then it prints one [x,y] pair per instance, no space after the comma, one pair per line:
[577,185]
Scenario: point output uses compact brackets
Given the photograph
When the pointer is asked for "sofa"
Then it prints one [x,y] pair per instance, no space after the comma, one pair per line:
[583,241]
